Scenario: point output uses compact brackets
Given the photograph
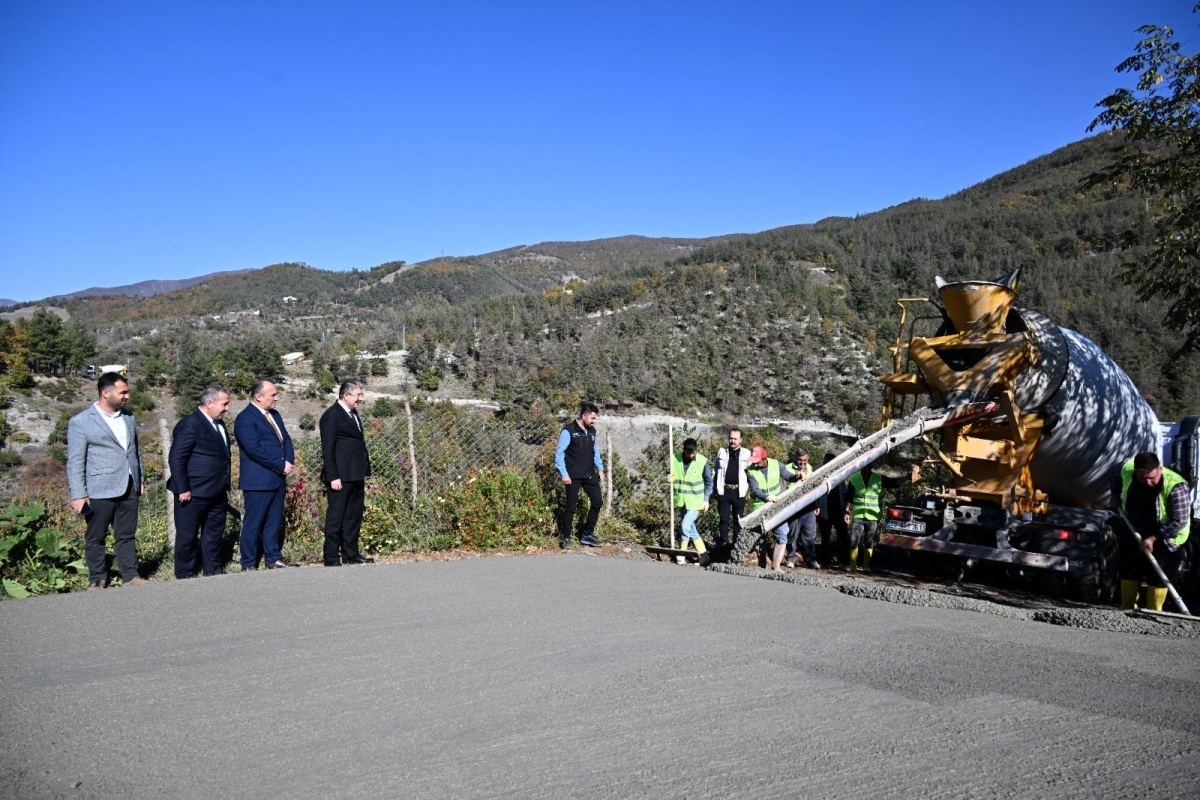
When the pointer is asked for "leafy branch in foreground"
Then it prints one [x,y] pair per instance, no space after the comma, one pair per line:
[1160,156]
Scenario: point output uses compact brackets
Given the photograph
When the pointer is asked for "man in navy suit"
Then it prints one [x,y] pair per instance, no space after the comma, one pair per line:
[346,468]
[199,461]
[104,472]
[265,460]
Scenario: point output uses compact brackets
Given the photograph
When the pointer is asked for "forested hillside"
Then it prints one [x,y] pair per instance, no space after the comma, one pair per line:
[792,321]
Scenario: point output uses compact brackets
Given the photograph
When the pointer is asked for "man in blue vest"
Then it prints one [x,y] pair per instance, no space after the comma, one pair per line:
[577,460]
[1157,502]
[864,509]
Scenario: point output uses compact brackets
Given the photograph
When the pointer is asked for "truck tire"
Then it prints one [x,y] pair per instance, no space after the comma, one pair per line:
[1099,585]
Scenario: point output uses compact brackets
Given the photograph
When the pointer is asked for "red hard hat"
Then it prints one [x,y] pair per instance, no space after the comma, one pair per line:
[758,454]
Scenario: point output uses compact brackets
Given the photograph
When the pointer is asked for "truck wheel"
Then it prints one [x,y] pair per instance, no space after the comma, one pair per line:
[1099,585]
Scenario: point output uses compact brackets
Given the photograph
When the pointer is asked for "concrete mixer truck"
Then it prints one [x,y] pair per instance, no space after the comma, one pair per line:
[1029,419]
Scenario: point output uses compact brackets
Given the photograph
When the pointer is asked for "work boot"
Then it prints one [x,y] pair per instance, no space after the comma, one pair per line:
[1155,597]
[1129,594]
[700,548]
[853,565]
[867,553]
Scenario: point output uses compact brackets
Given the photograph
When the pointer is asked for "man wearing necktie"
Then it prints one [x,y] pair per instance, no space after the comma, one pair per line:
[199,462]
[265,459]
[345,470]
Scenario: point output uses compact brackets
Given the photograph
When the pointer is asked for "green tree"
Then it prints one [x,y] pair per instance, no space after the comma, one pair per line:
[1159,155]
[193,372]
[44,332]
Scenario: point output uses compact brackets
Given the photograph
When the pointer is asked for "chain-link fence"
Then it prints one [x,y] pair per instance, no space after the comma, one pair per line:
[449,476]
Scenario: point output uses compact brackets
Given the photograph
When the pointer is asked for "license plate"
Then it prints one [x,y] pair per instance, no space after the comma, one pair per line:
[906,525]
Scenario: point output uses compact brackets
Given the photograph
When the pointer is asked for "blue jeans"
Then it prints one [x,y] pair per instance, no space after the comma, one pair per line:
[688,525]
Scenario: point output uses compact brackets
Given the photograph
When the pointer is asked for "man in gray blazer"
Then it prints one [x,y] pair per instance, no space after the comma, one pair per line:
[104,472]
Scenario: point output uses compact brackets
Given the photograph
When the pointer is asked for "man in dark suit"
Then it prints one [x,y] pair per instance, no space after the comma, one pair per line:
[199,462]
[346,468]
[266,458]
[104,472]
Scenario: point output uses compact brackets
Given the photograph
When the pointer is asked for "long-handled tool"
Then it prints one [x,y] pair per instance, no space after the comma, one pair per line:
[671,479]
[1157,567]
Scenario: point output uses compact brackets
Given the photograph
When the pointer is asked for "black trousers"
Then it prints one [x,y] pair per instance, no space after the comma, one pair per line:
[199,532]
[591,487]
[122,514]
[343,520]
[730,508]
[835,539]
[1133,564]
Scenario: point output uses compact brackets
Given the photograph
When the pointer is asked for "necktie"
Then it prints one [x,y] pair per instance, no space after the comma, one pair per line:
[357,423]
[274,427]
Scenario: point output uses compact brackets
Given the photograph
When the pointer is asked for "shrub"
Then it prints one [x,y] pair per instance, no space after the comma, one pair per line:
[308,422]
[500,508]
[303,519]
[429,380]
[391,524]
[383,407]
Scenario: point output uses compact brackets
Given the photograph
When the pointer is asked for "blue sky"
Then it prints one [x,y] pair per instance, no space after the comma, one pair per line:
[144,140]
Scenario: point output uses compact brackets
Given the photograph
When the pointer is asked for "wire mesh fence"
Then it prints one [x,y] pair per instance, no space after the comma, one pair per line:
[448,476]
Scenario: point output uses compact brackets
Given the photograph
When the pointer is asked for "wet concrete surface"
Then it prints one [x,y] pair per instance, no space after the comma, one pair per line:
[583,676]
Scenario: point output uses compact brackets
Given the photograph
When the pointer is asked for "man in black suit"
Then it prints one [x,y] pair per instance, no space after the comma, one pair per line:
[199,462]
[346,468]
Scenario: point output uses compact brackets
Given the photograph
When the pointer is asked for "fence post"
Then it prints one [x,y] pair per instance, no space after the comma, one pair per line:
[412,450]
[165,437]
[609,489]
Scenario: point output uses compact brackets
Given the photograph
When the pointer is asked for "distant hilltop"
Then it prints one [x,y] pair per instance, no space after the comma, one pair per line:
[149,288]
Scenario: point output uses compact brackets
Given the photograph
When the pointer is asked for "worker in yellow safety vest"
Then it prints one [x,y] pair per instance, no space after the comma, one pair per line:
[691,484]
[1157,502]
[767,477]
[864,509]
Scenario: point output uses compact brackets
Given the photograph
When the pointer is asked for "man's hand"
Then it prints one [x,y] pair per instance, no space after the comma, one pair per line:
[335,485]
[566,480]
[602,476]
[704,508]
[183,497]
[1148,543]
[287,468]
[78,503]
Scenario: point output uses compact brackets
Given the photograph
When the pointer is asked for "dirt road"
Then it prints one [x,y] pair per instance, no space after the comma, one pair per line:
[576,676]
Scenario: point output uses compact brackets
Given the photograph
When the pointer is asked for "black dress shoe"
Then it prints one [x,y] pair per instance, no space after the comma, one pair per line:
[280,564]
[333,563]
[358,560]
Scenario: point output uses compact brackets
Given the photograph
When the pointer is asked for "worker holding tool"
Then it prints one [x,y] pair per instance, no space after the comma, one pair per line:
[766,477]
[864,509]
[691,484]
[1156,502]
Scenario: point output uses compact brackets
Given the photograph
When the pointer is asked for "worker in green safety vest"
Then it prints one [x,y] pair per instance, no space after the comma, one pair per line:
[1157,501]
[767,477]
[691,484]
[864,509]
